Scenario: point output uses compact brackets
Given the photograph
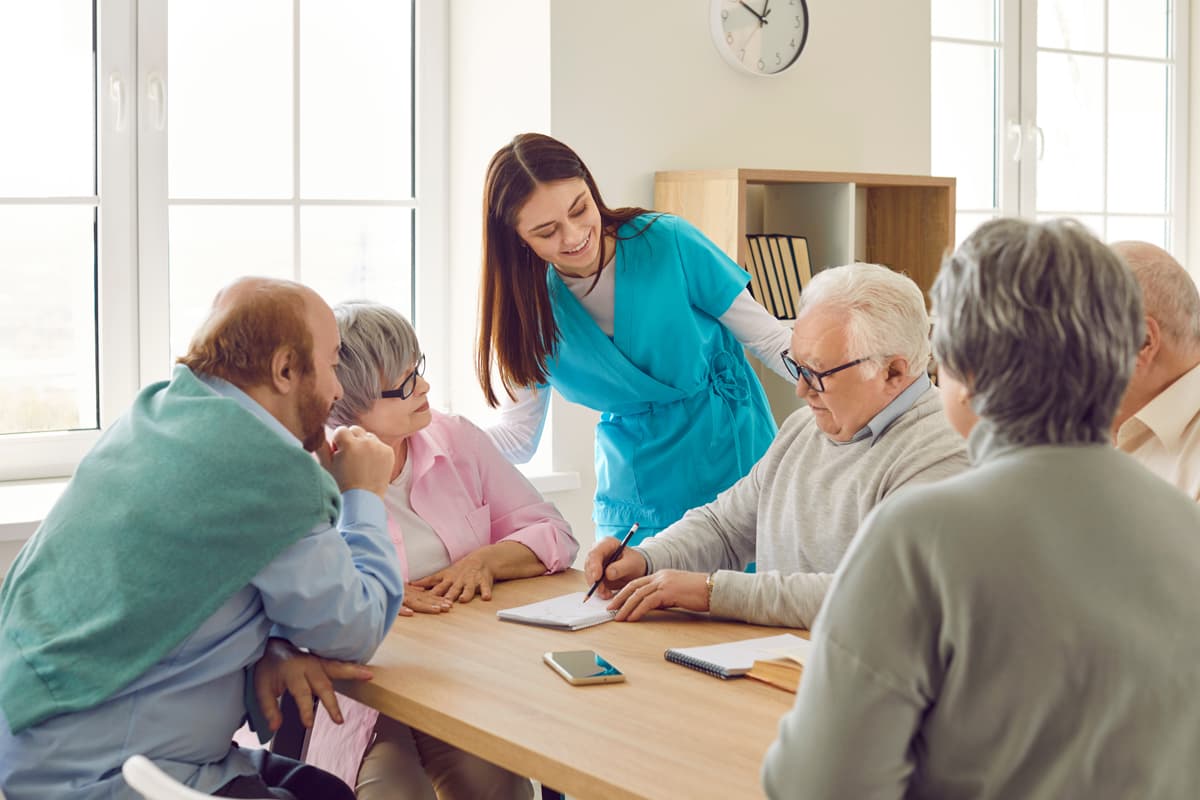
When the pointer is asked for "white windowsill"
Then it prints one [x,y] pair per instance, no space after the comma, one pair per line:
[23,504]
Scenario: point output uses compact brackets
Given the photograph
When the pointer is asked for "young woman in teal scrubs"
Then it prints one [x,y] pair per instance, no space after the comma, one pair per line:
[634,314]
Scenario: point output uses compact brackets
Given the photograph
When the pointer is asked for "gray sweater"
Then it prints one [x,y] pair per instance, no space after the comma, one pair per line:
[1029,629]
[798,509]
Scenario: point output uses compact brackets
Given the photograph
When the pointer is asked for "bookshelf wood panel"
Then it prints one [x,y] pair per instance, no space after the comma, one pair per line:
[905,222]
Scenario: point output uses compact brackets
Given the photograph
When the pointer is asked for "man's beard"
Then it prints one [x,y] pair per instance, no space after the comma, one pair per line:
[313,413]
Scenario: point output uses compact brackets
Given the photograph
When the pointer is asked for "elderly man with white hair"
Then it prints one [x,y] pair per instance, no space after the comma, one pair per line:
[1158,422]
[873,424]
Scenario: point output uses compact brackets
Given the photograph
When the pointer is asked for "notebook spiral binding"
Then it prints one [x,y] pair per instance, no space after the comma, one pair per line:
[698,664]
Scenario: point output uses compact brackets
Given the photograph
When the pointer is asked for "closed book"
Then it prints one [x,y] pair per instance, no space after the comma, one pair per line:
[734,659]
[782,673]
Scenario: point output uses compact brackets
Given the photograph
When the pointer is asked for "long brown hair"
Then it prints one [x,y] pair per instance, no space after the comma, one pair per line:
[516,320]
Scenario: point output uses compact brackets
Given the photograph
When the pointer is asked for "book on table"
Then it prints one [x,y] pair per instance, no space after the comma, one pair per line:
[783,672]
[566,612]
[734,659]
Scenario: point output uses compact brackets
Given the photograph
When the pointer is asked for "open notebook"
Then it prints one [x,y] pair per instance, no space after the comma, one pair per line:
[731,659]
[567,612]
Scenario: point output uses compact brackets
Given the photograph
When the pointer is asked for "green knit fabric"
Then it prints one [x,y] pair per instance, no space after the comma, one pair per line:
[181,502]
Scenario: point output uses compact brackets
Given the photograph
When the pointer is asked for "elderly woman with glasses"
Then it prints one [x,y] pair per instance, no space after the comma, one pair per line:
[462,518]
[1028,628]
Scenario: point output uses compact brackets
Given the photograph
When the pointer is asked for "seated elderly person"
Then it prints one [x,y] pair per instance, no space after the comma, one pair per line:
[1028,628]
[873,425]
[461,517]
[1158,422]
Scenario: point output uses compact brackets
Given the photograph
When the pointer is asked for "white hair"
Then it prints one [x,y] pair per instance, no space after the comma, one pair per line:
[885,310]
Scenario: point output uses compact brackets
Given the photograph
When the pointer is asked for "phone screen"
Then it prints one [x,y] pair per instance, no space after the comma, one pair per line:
[583,666]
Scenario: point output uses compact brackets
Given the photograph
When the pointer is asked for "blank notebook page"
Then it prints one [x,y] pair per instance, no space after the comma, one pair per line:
[566,611]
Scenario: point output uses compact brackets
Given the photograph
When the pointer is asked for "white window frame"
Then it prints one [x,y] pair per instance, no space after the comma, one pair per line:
[1017,135]
[132,283]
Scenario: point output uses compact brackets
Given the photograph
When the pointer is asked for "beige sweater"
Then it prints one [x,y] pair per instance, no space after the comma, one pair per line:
[799,508]
[1028,629]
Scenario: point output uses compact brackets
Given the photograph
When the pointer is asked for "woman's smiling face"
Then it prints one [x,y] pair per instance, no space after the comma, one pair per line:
[561,224]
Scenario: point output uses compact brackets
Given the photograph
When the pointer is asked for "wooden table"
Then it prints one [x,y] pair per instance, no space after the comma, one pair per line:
[668,731]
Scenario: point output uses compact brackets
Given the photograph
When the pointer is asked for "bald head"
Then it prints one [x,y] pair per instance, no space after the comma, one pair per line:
[1169,294]
[251,319]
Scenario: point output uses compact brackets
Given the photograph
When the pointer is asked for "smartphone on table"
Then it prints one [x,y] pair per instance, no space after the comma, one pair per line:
[581,667]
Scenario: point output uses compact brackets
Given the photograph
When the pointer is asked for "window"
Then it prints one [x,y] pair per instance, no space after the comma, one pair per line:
[1051,108]
[275,138]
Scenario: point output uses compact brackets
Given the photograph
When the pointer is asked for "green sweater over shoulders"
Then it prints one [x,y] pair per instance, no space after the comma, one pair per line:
[181,502]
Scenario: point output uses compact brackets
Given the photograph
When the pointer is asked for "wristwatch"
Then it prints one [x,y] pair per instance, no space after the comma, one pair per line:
[708,584]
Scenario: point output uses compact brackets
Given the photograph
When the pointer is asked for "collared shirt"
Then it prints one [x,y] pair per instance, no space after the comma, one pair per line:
[902,402]
[334,591]
[1165,434]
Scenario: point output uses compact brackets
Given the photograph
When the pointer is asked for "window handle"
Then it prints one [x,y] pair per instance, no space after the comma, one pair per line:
[116,92]
[156,93]
[1017,136]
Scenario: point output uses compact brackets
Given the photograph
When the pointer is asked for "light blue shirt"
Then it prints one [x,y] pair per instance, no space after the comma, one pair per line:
[335,592]
[902,402]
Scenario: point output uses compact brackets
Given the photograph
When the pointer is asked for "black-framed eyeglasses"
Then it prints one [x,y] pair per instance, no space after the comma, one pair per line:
[815,380]
[406,387]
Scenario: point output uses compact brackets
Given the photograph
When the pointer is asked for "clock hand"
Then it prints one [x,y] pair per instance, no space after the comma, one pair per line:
[761,20]
[765,11]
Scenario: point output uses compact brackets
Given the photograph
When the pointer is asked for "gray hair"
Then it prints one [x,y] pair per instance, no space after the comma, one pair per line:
[1043,322]
[885,312]
[1168,293]
[378,346]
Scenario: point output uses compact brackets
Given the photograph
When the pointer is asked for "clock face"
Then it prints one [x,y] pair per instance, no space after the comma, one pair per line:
[762,37]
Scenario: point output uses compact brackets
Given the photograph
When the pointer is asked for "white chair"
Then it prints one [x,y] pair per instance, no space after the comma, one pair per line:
[153,784]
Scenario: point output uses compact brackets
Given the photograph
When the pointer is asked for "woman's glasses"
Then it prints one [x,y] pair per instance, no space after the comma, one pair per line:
[409,384]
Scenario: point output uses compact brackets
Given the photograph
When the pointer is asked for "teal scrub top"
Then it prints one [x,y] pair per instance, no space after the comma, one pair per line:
[683,416]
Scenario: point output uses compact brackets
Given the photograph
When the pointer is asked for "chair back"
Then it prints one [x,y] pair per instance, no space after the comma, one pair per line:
[153,784]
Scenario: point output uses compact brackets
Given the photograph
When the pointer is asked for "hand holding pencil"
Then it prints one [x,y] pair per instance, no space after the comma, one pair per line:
[610,565]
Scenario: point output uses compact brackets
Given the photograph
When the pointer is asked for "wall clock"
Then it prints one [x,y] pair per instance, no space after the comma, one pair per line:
[761,37]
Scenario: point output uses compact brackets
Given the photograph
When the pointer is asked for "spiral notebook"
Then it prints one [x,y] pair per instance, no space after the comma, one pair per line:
[733,659]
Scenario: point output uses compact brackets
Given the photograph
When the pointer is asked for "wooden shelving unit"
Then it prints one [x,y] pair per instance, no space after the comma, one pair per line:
[905,222]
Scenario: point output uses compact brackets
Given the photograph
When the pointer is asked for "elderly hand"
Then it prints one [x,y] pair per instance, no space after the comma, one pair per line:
[358,460]
[420,600]
[668,588]
[630,565]
[462,579]
[283,667]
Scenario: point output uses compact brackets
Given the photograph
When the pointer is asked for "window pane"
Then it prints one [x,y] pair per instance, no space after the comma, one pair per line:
[1144,229]
[358,253]
[963,133]
[1070,110]
[1071,24]
[46,61]
[356,99]
[964,19]
[212,245]
[1139,28]
[965,223]
[47,318]
[230,98]
[1137,136]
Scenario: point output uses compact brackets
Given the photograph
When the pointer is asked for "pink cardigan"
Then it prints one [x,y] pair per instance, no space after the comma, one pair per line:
[471,497]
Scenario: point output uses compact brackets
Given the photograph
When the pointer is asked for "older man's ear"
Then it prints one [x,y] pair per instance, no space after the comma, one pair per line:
[897,376]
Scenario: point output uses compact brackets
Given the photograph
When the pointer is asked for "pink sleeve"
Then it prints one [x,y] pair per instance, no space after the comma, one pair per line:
[519,513]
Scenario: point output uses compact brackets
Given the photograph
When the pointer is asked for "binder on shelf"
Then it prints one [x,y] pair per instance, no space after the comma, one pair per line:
[780,268]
